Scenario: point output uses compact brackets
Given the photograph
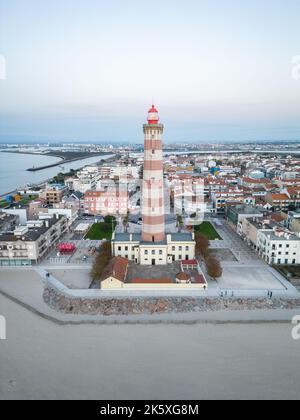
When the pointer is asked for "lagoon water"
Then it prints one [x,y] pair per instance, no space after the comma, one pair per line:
[13,167]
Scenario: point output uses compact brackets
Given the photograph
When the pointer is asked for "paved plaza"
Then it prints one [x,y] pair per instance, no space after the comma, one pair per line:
[153,272]
[73,278]
[232,241]
[250,278]
[222,254]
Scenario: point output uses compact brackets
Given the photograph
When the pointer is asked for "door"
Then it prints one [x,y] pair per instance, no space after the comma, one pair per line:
[153,261]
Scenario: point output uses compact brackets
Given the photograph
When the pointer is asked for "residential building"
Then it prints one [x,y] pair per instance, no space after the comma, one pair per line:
[29,244]
[279,246]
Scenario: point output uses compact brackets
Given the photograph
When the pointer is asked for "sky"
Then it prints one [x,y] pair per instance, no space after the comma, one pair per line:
[88,70]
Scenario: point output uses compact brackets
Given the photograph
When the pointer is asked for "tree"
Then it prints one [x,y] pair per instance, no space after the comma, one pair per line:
[102,259]
[213,267]
[202,244]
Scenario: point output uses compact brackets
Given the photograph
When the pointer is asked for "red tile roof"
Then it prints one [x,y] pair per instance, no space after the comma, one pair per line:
[189,262]
[183,276]
[119,268]
[197,278]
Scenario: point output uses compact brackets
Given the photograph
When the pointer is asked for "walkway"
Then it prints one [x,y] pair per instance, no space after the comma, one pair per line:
[25,286]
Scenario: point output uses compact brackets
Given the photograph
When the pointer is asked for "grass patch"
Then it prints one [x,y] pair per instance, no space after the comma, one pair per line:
[3,204]
[27,200]
[100,231]
[207,229]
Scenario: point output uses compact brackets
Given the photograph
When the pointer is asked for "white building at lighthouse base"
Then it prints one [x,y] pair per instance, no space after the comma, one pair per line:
[176,247]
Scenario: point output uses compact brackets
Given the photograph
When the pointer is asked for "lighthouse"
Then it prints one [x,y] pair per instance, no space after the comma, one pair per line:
[154,244]
[153,180]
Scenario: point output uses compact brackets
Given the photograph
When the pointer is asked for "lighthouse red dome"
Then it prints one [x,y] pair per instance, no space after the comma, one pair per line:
[153,117]
[153,109]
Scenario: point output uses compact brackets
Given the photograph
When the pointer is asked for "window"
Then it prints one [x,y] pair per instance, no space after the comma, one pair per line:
[160,252]
[186,248]
[153,251]
[180,248]
[146,251]
[180,257]
[126,248]
[119,248]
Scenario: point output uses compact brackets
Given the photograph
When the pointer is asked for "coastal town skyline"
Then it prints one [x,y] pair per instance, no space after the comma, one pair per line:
[149,203]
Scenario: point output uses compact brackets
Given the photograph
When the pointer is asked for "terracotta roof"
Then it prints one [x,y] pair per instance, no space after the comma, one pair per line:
[183,276]
[119,268]
[277,217]
[198,278]
[279,197]
[293,190]
[256,181]
[189,262]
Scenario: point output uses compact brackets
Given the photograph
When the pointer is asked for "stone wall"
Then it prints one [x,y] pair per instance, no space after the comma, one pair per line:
[66,302]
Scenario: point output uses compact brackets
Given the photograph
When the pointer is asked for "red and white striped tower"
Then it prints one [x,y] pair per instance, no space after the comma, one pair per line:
[153,182]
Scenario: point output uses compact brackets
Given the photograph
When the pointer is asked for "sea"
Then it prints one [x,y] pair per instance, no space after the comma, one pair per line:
[13,173]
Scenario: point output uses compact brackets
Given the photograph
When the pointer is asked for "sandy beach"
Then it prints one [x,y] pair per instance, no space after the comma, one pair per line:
[43,360]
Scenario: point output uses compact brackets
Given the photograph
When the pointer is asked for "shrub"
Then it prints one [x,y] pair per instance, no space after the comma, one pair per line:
[213,267]
[202,244]
[102,259]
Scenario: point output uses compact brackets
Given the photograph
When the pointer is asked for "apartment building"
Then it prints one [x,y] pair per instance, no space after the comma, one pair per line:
[278,246]
[236,214]
[250,227]
[111,202]
[293,221]
[279,201]
[53,194]
[29,244]
[8,222]
[221,199]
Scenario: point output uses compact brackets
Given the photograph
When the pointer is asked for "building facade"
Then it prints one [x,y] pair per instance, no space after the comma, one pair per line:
[29,244]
